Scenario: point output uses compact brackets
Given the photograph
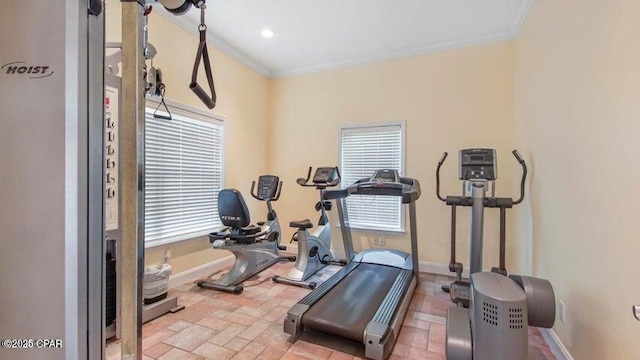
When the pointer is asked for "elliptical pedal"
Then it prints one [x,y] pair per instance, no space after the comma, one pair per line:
[460,293]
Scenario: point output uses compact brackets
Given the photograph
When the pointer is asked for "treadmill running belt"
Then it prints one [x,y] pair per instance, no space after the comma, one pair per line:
[347,309]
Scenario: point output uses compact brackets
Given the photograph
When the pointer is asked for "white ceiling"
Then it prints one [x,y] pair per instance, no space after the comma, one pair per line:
[318,35]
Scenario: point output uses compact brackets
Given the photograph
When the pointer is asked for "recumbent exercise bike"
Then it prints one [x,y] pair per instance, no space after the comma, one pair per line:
[254,247]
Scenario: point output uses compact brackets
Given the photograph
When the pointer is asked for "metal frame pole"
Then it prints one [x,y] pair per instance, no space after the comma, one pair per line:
[95,154]
[347,240]
[413,224]
[478,190]
[132,179]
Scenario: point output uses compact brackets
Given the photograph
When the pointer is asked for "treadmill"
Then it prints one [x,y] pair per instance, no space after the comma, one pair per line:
[366,300]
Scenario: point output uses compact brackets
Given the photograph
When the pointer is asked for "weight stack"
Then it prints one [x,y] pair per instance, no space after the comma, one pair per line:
[110,289]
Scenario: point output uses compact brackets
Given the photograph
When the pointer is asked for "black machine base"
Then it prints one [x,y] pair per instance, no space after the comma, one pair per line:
[236,289]
[303,284]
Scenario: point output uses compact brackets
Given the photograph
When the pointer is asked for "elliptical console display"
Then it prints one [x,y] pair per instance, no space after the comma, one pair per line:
[477,164]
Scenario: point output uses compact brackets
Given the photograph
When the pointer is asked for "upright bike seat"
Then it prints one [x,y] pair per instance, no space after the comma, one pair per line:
[301,224]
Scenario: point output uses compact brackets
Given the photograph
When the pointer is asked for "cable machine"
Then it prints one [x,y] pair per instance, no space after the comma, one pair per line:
[132,163]
[54,183]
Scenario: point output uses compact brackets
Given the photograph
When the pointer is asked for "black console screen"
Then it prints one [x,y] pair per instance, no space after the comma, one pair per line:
[385,175]
[267,186]
[324,175]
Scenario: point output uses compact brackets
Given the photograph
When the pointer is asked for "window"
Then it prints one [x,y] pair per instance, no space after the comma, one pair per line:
[183,175]
[365,149]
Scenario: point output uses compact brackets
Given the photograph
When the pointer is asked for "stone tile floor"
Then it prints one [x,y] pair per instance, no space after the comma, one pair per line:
[220,326]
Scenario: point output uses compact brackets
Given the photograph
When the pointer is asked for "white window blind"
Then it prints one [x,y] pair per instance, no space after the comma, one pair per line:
[183,175]
[365,150]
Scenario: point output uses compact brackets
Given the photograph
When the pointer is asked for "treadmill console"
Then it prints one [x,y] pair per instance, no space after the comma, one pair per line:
[324,175]
[385,176]
[381,179]
[267,186]
[477,164]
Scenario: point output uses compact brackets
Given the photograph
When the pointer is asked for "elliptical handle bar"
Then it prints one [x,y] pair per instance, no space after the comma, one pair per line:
[517,156]
[443,158]
[440,162]
[520,160]
[305,182]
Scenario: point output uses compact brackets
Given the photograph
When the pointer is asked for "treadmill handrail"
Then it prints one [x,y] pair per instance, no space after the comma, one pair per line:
[407,188]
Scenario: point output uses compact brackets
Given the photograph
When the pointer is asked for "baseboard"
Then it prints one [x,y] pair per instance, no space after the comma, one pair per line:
[200,272]
[555,345]
[439,269]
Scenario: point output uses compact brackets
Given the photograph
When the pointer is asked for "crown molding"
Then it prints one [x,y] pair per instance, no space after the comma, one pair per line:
[225,47]
[422,50]
[523,12]
[510,34]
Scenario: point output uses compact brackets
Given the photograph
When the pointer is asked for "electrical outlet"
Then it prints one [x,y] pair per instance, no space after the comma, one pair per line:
[562,310]
[375,242]
[382,242]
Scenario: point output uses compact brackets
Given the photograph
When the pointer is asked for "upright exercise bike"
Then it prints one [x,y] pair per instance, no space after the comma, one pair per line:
[314,246]
[254,247]
[501,308]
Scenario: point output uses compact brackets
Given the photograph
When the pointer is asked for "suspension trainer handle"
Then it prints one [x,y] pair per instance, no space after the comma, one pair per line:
[203,54]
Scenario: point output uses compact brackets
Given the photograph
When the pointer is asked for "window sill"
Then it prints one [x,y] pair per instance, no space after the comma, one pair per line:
[397,232]
[179,240]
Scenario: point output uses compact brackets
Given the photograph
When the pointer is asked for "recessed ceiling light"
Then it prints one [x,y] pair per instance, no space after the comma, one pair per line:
[267,33]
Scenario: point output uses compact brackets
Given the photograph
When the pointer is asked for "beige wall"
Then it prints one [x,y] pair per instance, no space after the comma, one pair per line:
[449,100]
[577,115]
[242,99]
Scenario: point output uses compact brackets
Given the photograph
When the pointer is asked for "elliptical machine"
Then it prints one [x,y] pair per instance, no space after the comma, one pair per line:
[477,169]
[254,247]
[502,307]
[314,247]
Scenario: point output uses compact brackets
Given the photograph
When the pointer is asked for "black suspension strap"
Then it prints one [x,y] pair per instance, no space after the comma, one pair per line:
[203,54]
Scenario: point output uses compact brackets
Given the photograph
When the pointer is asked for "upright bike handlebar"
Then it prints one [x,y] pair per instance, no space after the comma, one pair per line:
[305,181]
